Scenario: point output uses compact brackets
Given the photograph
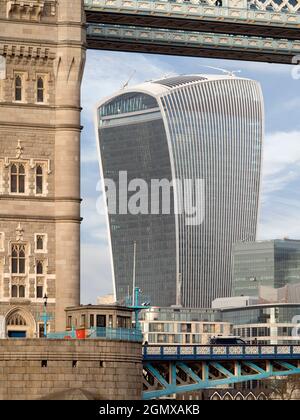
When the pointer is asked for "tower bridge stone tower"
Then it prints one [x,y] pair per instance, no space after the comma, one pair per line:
[42,55]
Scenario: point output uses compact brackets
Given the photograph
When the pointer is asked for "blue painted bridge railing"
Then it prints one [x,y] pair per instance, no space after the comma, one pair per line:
[169,370]
[125,334]
[122,334]
[217,352]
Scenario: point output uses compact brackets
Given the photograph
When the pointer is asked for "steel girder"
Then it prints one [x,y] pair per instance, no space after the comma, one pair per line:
[173,377]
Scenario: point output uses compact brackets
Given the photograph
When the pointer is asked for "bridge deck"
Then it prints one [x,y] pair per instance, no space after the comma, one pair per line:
[175,369]
[248,352]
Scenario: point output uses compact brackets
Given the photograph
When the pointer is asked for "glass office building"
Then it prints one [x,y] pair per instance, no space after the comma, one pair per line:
[194,127]
[273,264]
[266,324]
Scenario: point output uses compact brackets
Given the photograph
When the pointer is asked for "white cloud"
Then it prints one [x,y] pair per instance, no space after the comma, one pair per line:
[279,222]
[107,72]
[278,181]
[281,162]
[280,151]
[280,196]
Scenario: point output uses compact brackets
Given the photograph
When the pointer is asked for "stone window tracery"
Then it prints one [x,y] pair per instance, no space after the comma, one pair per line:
[26,176]
[14,291]
[39,268]
[18,88]
[17,320]
[40,89]
[39,292]
[39,179]
[41,242]
[18,259]
[17,178]
[17,291]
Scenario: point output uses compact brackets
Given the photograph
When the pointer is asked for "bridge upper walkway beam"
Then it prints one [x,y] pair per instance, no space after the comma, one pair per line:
[282,17]
[254,30]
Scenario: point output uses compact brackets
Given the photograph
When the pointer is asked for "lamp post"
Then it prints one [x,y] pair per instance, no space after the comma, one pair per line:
[45,298]
[137,306]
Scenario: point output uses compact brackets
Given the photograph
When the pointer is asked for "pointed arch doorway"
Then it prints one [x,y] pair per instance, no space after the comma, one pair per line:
[19,324]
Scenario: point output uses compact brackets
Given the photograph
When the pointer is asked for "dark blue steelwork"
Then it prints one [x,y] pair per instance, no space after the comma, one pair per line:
[175,369]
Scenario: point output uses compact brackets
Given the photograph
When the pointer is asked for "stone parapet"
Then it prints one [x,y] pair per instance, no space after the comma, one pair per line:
[37,368]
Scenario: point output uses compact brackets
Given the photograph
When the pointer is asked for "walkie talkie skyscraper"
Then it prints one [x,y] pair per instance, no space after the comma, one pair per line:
[193,127]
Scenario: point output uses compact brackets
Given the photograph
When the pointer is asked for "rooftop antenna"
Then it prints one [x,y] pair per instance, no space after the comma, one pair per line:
[179,290]
[230,73]
[128,81]
[133,275]
[166,75]
[162,77]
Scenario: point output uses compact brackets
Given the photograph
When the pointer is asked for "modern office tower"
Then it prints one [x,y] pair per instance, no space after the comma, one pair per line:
[193,127]
[265,264]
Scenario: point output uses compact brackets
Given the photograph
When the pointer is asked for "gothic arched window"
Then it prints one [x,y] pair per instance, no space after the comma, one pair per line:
[16,319]
[21,291]
[40,89]
[18,88]
[39,179]
[14,291]
[39,268]
[17,178]
[40,243]
[18,258]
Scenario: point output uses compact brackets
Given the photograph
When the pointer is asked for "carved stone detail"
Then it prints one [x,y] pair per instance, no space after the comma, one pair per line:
[26,51]
[25,10]
[19,233]
[19,150]
[18,281]
[283,6]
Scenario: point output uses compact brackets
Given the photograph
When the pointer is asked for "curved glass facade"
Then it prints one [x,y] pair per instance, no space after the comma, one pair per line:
[216,132]
[129,102]
[135,142]
[209,129]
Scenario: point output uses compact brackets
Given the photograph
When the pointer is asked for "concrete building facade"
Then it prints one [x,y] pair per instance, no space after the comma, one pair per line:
[182,325]
[42,60]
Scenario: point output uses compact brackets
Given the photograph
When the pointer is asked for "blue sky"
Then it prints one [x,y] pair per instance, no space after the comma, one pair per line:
[105,74]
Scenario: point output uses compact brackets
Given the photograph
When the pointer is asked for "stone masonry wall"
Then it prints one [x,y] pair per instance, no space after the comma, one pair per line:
[106,369]
[41,41]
